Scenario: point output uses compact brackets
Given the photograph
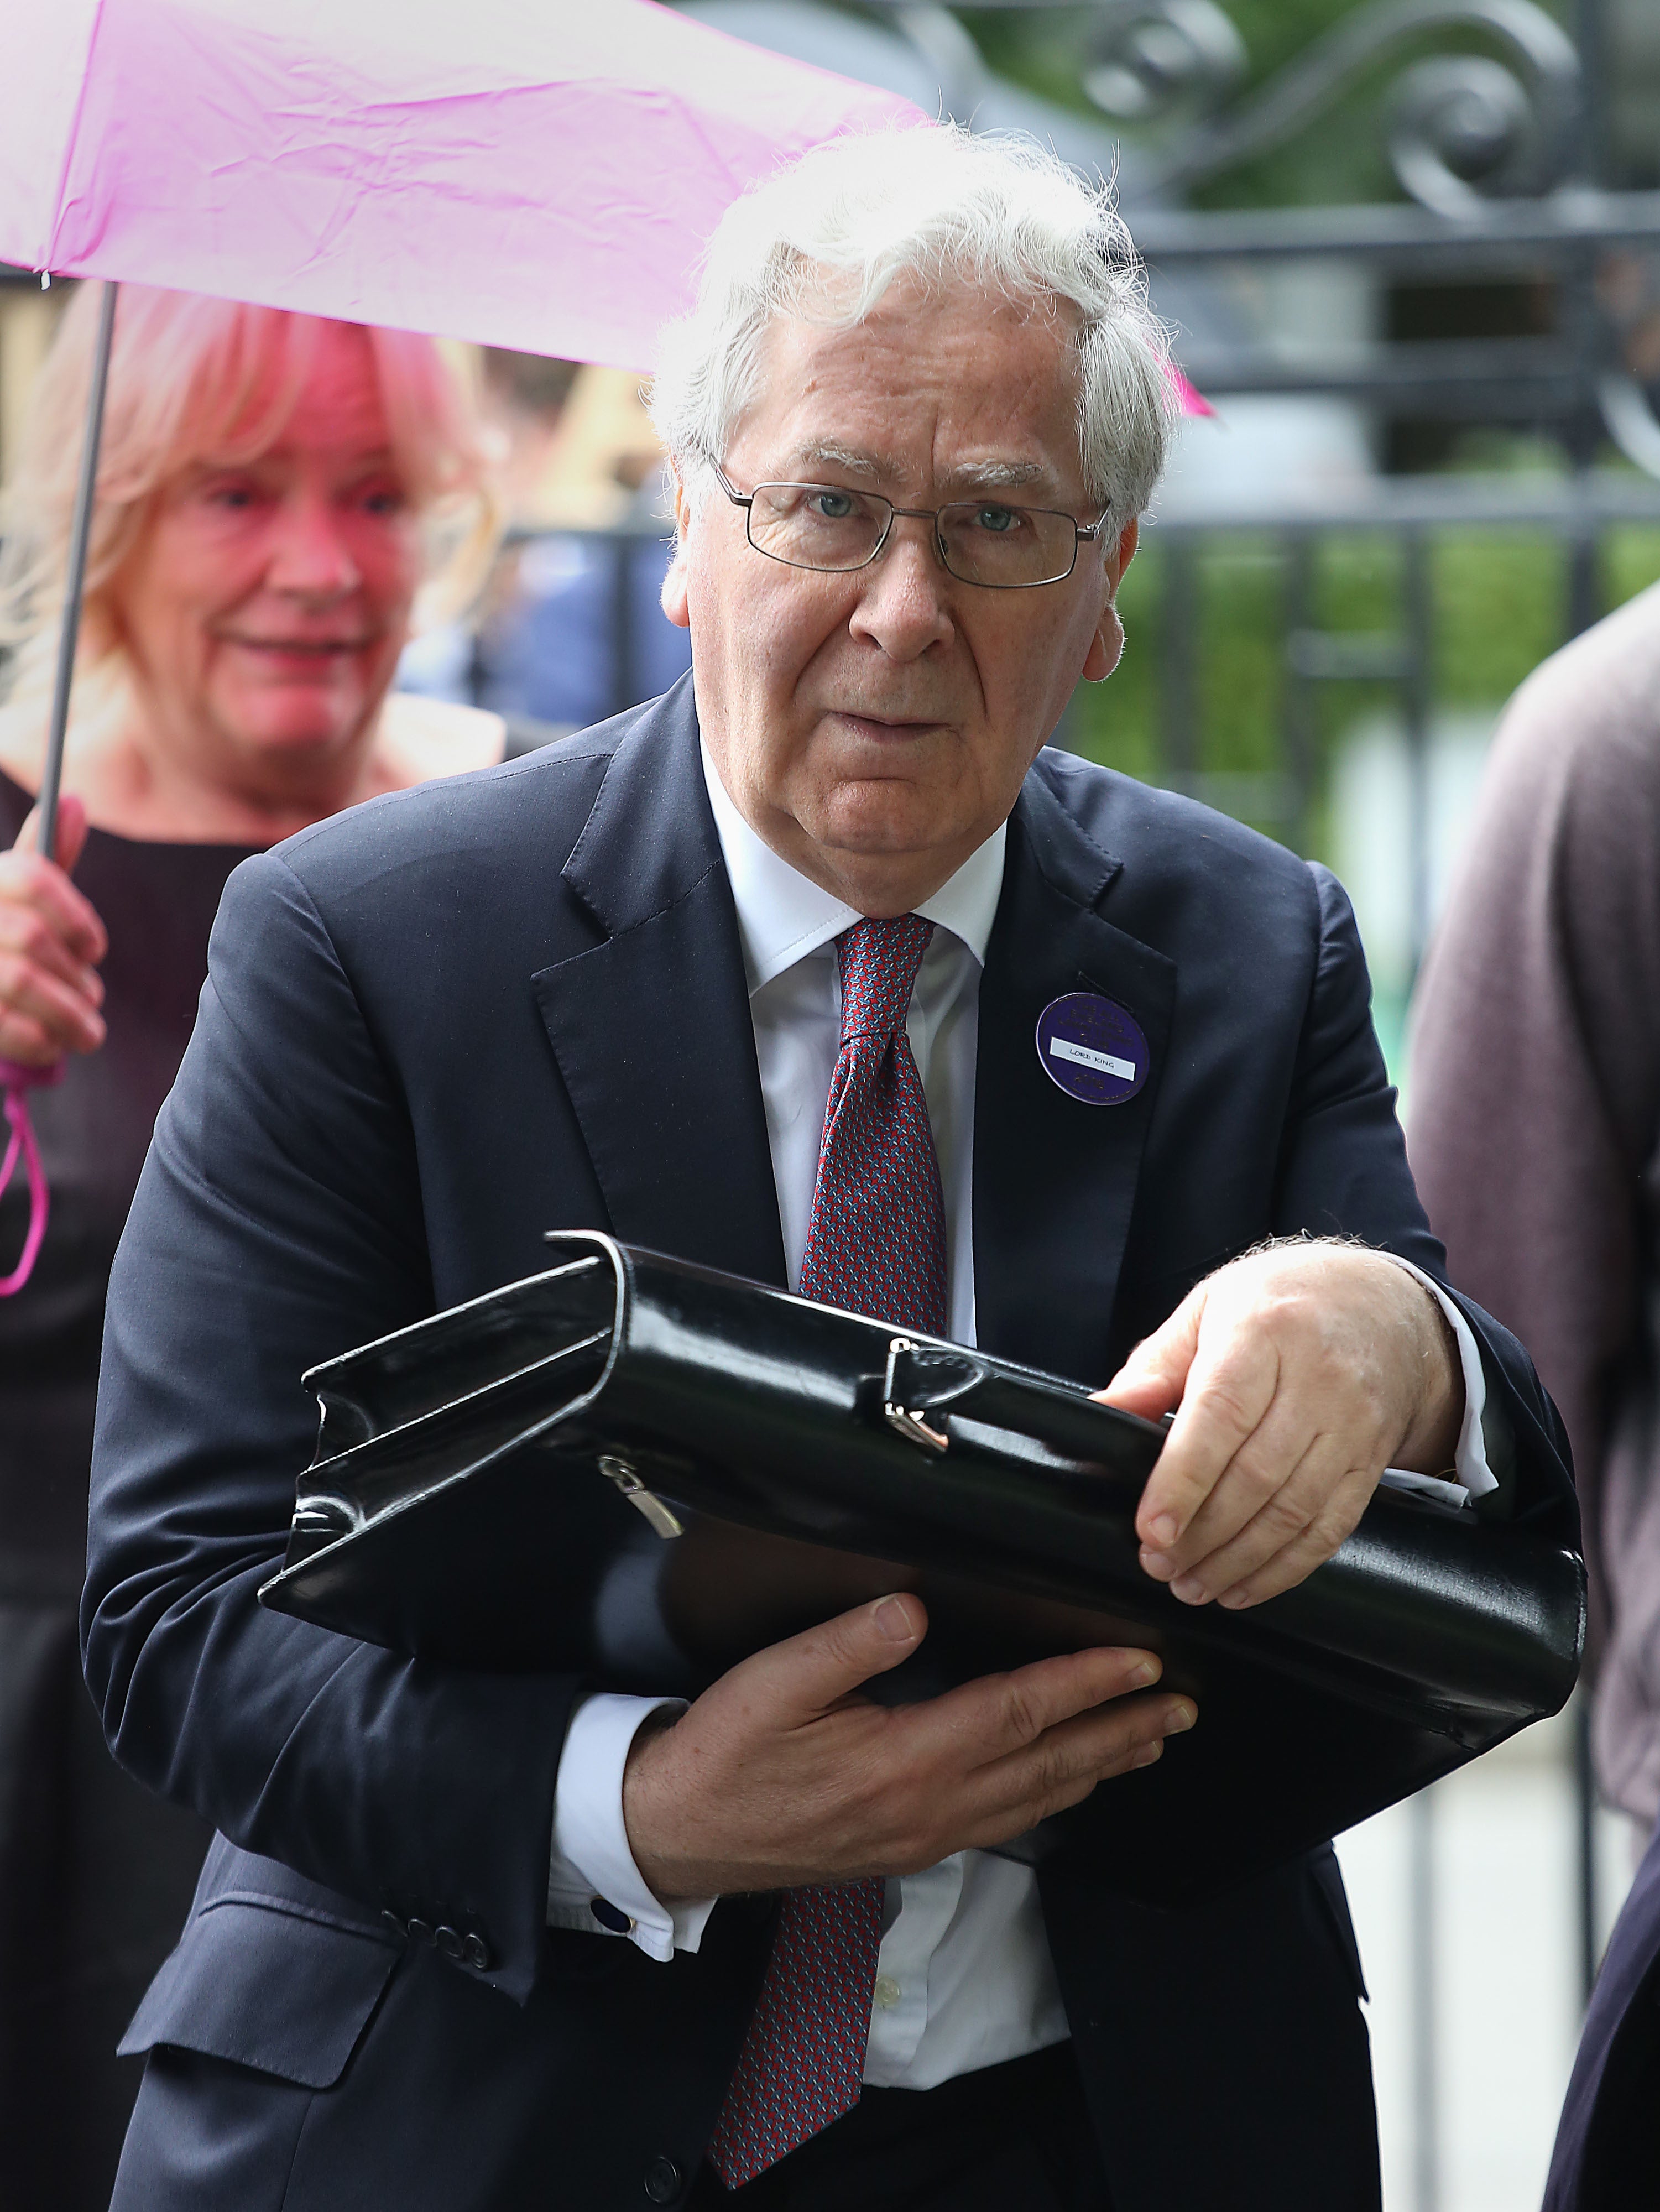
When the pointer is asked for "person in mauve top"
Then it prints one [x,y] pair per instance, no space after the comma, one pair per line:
[1535,1141]
[272,491]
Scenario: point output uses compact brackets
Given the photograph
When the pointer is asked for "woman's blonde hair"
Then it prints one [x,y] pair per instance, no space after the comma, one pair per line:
[199,379]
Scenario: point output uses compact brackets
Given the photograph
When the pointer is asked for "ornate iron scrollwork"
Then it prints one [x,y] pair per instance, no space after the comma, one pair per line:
[1143,63]
[1628,305]
[1460,128]
[1460,124]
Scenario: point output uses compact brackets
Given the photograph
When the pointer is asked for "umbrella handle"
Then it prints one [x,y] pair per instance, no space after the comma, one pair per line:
[69,632]
[18,1082]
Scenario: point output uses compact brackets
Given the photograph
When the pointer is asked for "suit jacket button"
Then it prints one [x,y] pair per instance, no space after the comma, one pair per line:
[476,1953]
[420,1931]
[389,1921]
[663,2179]
[448,1942]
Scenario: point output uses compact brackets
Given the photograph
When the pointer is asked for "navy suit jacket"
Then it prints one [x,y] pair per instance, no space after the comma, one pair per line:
[435,1027]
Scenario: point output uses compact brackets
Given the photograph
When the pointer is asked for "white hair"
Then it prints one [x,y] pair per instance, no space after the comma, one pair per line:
[998,215]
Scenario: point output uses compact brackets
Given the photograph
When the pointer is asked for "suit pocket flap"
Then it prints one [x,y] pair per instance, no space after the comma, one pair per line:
[284,1993]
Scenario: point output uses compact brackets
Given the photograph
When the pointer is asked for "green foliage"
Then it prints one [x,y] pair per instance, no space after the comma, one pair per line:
[1041,47]
[1498,598]
[1500,604]
[1631,562]
[1038,47]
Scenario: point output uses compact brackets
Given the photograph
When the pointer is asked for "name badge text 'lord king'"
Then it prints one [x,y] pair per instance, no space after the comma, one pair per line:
[1092,1049]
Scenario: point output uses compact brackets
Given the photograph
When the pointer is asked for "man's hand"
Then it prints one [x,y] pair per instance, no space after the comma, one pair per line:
[51,942]
[782,1775]
[1301,1373]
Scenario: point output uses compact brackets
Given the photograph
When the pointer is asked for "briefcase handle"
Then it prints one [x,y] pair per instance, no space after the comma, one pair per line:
[925,1382]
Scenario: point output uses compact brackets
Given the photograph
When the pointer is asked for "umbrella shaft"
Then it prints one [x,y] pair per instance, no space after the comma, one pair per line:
[80,536]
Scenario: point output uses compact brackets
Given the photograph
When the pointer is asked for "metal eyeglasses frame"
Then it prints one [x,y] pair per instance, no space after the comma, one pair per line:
[1084,533]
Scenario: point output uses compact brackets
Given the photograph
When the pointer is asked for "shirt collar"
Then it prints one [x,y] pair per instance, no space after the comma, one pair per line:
[784,915]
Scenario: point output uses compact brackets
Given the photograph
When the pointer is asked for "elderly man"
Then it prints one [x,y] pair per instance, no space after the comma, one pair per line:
[754,974]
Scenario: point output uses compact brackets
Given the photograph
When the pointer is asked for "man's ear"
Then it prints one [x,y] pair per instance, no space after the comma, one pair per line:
[1122,554]
[1105,646]
[675,596]
[1107,643]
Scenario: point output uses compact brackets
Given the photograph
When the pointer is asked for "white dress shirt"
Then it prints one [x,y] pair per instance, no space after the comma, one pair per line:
[963,1976]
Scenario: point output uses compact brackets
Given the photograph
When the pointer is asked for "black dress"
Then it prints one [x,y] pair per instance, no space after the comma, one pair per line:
[95,1873]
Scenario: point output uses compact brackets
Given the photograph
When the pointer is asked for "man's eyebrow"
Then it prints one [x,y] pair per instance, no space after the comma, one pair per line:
[989,475]
[1003,476]
[830,453]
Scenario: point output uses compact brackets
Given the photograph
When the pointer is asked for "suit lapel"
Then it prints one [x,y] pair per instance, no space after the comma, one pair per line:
[1055,1180]
[651,1027]
[651,1031]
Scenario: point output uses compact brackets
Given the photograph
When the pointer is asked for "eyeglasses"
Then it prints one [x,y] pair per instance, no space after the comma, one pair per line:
[985,541]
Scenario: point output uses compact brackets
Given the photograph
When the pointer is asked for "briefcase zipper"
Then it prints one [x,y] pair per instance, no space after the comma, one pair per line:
[622,1476]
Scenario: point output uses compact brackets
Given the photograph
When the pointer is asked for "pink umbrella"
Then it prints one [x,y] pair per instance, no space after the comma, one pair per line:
[539,176]
[535,176]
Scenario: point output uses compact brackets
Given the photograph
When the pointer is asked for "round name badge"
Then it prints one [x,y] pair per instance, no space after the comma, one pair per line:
[1092,1049]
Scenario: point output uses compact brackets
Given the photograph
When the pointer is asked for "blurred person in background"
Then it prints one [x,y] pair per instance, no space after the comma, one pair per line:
[1536,1144]
[272,492]
[570,626]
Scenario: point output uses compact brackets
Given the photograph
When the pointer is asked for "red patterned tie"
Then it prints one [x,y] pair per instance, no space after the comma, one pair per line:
[876,1244]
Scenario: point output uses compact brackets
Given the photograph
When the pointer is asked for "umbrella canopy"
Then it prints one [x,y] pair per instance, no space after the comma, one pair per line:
[540,177]
[537,177]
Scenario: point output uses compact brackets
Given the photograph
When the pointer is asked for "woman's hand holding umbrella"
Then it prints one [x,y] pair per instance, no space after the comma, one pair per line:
[51,942]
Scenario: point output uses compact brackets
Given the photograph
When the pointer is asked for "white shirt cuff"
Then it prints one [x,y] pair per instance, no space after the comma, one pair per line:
[1475,1477]
[593,1884]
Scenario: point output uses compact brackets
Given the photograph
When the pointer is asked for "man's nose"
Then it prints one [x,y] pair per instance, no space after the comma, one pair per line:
[904,604]
[312,556]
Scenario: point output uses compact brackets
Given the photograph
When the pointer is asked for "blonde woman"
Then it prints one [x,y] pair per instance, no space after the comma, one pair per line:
[272,492]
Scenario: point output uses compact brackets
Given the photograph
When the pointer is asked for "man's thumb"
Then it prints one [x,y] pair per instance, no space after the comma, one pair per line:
[827,1663]
[1151,1379]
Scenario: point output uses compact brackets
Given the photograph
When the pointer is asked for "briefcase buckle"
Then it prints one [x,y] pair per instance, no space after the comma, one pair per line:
[909,1426]
[622,1476]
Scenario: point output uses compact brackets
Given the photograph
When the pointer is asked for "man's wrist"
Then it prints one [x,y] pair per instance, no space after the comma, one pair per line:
[1434,1444]
[595,1885]
[639,1807]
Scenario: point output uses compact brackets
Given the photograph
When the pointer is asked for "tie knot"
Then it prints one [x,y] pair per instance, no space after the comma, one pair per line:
[880,961]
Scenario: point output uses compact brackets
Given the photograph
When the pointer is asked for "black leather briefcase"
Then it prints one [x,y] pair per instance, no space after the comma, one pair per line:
[639,1471]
